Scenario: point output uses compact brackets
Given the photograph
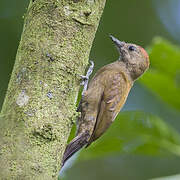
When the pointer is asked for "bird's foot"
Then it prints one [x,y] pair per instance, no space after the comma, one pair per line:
[85,79]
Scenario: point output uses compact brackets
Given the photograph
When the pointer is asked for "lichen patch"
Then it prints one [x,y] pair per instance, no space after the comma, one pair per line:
[22,99]
[67,11]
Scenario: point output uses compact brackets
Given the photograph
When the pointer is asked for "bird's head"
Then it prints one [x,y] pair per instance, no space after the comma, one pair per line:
[135,57]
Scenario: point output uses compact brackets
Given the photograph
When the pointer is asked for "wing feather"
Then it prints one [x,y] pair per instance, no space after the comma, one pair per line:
[115,94]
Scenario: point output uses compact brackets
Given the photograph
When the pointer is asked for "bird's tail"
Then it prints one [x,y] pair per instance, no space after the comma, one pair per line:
[75,145]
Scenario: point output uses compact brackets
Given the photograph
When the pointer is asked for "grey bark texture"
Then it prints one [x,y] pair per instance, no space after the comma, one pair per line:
[40,105]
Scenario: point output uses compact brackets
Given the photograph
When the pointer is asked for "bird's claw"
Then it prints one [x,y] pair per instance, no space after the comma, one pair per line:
[85,78]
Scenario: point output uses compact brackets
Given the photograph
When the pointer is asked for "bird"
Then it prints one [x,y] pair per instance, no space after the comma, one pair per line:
[104,96]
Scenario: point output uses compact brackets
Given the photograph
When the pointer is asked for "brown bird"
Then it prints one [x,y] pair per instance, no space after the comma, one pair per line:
[106,94]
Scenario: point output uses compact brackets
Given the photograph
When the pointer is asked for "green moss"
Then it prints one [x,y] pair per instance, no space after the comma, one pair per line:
[34,130]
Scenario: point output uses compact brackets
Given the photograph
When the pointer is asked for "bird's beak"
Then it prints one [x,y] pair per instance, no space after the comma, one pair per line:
[118,43]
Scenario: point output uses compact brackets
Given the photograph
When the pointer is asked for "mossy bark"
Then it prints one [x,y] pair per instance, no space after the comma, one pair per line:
[39,107]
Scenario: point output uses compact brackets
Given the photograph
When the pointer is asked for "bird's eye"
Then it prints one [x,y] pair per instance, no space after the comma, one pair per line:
[132,48]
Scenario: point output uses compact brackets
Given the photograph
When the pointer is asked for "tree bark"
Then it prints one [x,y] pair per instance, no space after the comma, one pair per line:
[39,107]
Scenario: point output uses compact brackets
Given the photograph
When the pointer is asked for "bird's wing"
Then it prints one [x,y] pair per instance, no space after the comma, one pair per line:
[89,108]
[115,93]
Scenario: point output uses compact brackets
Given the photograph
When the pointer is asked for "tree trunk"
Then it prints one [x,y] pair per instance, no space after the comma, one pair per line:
[39,107]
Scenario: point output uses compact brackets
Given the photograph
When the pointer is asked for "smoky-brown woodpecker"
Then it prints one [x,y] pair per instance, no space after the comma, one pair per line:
[106,94]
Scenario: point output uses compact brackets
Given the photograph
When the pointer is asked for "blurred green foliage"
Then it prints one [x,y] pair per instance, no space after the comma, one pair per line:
[135,132]
[163,78]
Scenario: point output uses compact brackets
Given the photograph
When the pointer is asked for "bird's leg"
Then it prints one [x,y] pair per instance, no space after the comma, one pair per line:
[85,78]
[84,82]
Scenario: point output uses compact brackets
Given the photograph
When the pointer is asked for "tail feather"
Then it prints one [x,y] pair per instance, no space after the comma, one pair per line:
[75,145]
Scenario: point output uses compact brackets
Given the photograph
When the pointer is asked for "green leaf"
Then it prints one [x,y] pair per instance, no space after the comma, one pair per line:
[135,133]
[163,78]
[164,86]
